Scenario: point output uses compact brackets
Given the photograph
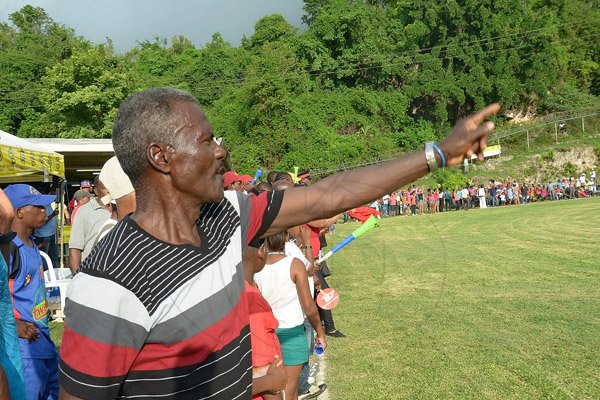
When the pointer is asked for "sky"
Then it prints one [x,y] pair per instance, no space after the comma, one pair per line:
[127,22]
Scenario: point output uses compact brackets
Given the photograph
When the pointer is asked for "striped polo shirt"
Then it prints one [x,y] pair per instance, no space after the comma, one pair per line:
[149,319]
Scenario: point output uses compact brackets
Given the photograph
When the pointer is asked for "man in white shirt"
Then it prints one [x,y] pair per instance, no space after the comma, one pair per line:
[466,199]
[481,195]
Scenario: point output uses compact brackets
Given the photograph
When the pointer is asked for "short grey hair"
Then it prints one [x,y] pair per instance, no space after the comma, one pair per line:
[145,117]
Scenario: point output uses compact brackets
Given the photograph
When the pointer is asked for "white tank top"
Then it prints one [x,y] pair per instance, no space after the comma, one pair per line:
[292,250]
[277,287]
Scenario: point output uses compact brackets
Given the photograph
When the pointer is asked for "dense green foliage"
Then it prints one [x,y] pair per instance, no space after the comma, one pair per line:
[364,79]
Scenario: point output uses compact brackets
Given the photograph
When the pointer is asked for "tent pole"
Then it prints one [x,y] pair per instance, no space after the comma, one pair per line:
[61,213]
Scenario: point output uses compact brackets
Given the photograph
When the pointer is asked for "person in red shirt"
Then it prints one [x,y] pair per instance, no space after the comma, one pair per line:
[80,197]
[268,376]
[393,205]
[84,185]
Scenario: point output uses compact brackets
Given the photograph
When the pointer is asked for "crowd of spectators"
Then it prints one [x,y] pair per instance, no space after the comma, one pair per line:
[494,193]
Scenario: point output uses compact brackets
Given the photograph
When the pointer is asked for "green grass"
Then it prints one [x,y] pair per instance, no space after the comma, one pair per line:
[500,303]
[486,304]
[56,331]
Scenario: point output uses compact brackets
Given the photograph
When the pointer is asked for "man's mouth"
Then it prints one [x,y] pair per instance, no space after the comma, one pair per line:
[221,170]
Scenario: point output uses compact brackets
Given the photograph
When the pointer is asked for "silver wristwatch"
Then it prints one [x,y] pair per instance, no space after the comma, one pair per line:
[430,156]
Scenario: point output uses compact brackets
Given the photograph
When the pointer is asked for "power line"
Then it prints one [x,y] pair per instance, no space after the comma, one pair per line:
[583,113]
[391,156]
[201,84]
[230,82]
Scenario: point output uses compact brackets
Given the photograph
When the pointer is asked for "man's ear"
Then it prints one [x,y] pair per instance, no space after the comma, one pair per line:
[261,254]
[19,213]
[159,156]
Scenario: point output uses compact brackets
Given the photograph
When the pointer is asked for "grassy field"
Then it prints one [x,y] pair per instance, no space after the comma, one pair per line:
[500,303]
[485,304]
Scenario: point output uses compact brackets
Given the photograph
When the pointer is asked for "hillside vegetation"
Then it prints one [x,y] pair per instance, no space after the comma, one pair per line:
[549,156]
[363,79]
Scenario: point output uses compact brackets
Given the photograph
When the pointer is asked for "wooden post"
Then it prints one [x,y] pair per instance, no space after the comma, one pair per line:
[556,132]
[582,124]
[527,138]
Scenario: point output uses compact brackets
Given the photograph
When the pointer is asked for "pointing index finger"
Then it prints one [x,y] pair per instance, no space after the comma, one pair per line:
[485,113]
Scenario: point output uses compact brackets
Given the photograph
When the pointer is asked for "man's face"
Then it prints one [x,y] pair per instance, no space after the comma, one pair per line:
[83,201]
[247,186]
[197,159]
[237,186]
[287,178]
[100,190]
[32,216]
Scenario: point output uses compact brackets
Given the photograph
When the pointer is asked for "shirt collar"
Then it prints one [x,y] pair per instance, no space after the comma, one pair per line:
[19,243]
[95,204]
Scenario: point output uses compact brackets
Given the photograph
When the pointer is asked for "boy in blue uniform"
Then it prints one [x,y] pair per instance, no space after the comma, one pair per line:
[28,291]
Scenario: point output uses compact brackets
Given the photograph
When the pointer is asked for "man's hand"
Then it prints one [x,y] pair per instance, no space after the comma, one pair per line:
[469,136]
[317,283]
[278,377]
[74,259]
[26,330]
[305,235]
[322,340]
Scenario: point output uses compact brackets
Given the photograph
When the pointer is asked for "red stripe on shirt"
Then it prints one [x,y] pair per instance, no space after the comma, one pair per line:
[314,241]
[257,212]
[159,356]
[11,288]
[94,358]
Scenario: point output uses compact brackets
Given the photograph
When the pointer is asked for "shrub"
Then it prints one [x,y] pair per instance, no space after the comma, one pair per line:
[569,169]
[450,177]
[547,156]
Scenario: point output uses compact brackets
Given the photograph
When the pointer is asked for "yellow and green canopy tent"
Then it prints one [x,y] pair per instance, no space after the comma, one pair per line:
[23,161]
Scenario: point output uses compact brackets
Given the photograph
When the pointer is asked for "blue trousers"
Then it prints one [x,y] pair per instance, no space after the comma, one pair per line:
[41,378]
[303,384]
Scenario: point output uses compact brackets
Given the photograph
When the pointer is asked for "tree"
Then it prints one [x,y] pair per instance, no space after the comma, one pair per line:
[366,79]
[81,95]
[31,45]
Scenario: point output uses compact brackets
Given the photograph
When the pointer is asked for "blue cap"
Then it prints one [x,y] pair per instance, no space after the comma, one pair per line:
[21,195]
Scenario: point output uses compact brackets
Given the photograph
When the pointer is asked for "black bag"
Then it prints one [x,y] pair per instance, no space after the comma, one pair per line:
[325,269]
[322,241]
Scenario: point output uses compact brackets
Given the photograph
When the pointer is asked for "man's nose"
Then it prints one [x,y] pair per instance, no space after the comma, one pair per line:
[220,153]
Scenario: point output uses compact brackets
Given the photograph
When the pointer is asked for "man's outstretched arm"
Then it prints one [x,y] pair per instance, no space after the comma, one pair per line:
[346,190]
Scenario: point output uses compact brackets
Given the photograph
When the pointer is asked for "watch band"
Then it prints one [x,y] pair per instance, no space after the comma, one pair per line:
[430,157]
[439,151]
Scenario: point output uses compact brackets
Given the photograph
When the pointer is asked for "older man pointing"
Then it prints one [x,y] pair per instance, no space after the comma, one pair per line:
[158,309]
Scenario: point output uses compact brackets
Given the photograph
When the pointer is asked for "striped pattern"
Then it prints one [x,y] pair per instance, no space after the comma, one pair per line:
[148,319]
